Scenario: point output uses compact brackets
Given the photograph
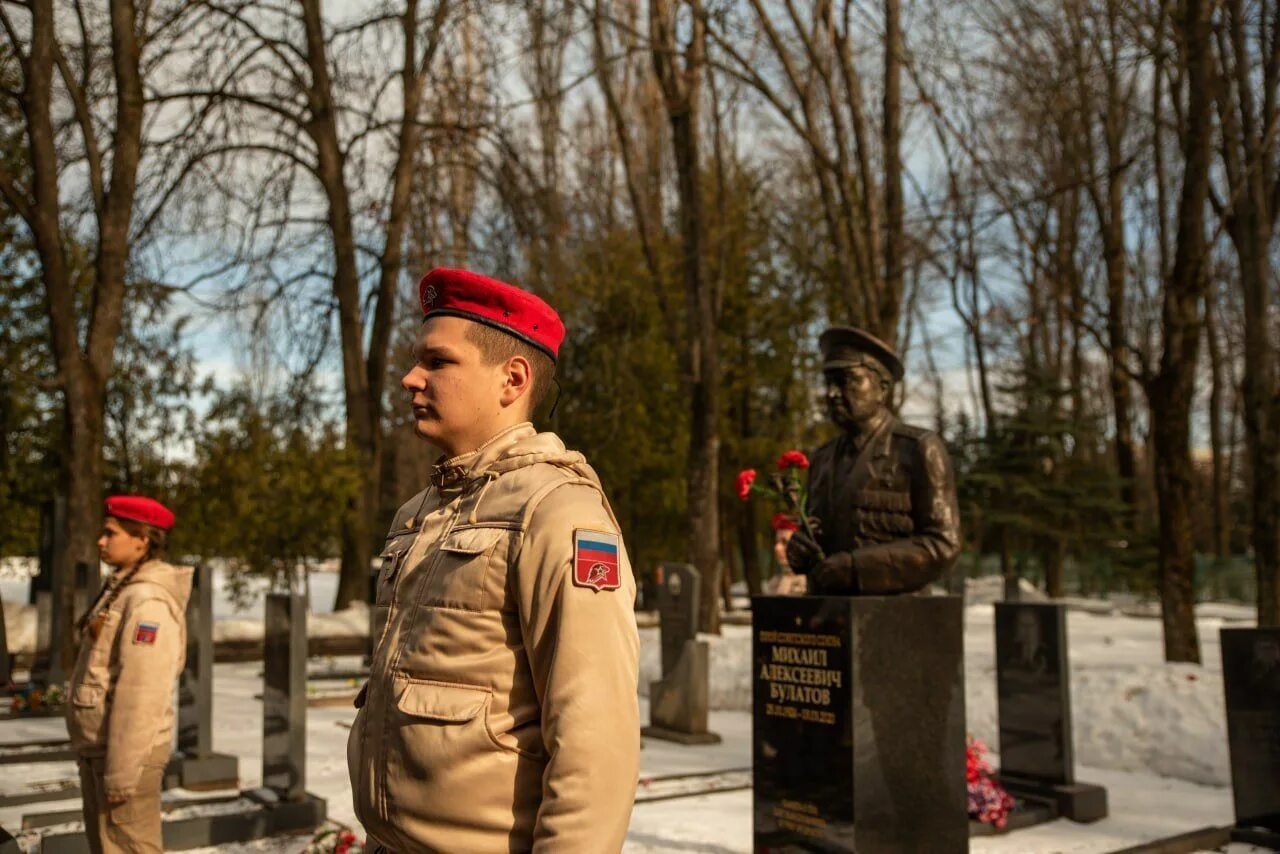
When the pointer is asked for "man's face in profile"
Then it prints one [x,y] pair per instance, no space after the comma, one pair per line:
[454,395]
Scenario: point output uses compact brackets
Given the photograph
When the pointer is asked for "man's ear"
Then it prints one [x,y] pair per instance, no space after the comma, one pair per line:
[518,380]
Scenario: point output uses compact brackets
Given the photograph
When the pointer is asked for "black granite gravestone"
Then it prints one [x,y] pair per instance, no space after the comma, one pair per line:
[46,592]
[284,695]
[858,715]
[196,765]
[1037,760]
[679,702]
[1251,682]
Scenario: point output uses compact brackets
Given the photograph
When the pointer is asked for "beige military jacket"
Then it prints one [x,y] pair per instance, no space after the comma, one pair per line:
[132,647]
[500,713]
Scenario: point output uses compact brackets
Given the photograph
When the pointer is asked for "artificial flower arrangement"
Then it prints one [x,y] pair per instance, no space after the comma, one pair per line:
[989,803]
[31,698]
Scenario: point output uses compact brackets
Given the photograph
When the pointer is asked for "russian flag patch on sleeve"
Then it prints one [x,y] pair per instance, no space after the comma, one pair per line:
[146,633]
[595,560]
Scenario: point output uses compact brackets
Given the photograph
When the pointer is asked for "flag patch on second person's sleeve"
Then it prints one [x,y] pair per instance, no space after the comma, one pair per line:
[146,633]
[595,560]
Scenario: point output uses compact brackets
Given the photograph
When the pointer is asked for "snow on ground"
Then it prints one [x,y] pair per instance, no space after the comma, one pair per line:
[1143,806]
[1130,710]
[1152,733]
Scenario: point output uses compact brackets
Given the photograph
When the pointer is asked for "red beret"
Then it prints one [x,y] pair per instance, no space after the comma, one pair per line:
[784,522]
[462,293]
[140,509]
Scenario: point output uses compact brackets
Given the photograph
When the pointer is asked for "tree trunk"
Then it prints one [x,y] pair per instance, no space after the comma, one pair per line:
[680,84]
[890,298]
[1054,567]
[82,370]
[1172,391]
[1221,526]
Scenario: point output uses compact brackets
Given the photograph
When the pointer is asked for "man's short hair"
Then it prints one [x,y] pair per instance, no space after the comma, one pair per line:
[497,346]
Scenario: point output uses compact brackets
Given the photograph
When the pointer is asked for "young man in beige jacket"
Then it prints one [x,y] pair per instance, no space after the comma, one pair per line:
[500,713]
[133,644]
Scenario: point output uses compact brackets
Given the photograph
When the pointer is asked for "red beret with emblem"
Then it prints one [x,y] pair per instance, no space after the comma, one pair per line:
[139,508]
[462,293]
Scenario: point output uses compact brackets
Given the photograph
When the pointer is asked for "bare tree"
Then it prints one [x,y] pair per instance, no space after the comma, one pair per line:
[818,90]
[1171,390]
[84,112]
[1248,41]
[277,87]
[680,71]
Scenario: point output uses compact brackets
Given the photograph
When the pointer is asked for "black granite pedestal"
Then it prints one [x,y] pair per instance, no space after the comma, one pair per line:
[859,738]
[1037,755]
[1251,683]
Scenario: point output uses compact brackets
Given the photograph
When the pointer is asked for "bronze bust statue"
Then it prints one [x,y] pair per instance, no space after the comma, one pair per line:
[882,492]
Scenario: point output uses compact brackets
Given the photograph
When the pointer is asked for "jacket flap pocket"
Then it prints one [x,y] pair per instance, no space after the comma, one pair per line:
[472,540]
[399,543]
[439,700]
[87,696]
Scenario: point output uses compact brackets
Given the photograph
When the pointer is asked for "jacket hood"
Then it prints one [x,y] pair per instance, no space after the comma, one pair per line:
[176,580]
[518,447]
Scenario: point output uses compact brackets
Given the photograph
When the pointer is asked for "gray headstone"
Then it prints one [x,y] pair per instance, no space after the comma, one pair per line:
[1033,691]
[678,592]
[858,724]
[284,695]
[1251,677]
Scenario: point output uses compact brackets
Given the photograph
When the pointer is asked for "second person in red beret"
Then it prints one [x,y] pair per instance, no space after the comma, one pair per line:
[133,643]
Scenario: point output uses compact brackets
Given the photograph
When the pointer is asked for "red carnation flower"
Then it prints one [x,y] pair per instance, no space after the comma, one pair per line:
[746,477]
[792,460]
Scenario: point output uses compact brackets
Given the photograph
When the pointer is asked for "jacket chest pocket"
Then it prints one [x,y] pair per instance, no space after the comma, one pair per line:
[101,635]
[466,556]
[391,562]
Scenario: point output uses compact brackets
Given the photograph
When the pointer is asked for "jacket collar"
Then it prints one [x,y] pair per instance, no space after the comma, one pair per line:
[455,471]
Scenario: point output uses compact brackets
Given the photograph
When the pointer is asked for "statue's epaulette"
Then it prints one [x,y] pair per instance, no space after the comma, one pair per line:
[910,432]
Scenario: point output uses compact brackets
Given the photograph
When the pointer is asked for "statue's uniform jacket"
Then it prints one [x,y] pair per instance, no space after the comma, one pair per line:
[889,500]
[500,713]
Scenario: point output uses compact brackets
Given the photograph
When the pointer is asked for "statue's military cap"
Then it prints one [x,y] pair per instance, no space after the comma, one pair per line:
[846,346]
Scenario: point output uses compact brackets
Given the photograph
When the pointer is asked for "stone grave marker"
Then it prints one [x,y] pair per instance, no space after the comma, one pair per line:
[284,695]
[680,700]
[1251,683]
[858,724]
[1037,758]
[44,593]
[195,764]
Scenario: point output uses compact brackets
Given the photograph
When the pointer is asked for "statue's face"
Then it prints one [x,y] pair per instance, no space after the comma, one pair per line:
[854,395]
